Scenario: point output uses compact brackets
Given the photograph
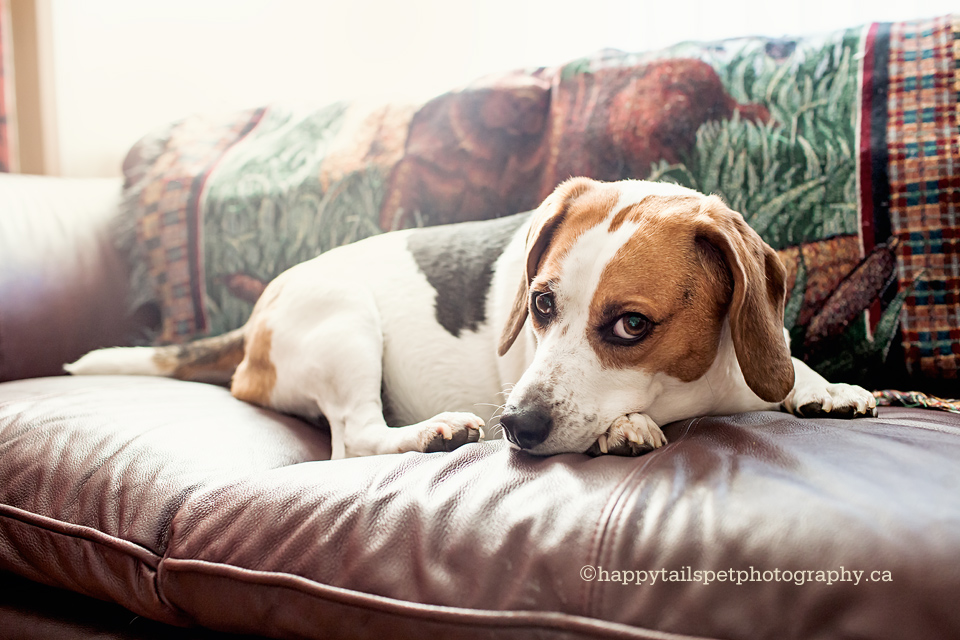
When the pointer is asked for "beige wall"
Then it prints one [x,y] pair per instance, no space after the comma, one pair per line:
[121,67]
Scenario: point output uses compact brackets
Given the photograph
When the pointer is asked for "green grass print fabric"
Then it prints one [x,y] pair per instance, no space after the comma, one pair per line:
[793,176]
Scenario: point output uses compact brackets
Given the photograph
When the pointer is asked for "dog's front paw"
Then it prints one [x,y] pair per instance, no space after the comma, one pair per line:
[629,435]
[831,401]
[449,430]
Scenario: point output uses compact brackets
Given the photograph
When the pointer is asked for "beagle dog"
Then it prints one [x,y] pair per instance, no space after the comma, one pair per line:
[612,309]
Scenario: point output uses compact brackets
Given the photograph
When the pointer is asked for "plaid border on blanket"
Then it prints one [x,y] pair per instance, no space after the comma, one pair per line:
[923,159]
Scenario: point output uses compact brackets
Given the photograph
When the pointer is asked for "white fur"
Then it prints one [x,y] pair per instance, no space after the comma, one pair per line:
[126,361]
[811,389]
[345,305]
[343,328]
[565,367]
[633,191]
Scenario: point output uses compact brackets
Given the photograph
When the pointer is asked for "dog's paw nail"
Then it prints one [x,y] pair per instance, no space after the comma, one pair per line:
[655,435]
[839,401]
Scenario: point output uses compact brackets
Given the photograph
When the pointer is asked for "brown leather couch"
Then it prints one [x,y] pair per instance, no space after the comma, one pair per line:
[169,504]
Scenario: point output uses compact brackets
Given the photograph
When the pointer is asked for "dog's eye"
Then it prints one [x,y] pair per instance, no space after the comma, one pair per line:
[632,327]
[543,304]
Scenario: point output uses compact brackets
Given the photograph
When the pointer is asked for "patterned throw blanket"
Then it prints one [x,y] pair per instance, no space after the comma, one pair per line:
[841,151]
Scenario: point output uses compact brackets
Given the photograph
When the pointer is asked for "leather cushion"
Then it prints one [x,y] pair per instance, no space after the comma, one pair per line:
[187,506]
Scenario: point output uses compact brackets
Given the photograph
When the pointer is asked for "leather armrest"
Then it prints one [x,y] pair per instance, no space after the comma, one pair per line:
[63,286]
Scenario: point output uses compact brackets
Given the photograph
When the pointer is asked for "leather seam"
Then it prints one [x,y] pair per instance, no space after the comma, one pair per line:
[81,532]
[444,614]
[610,519]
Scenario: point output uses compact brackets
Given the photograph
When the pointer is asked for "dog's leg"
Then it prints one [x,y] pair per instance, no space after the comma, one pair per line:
[813,397]
[339,372]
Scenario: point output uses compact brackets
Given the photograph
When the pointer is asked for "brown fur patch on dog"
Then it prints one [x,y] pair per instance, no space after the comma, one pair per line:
[756,307]
[217,364]
[257,375]
[211,360]
[665,274]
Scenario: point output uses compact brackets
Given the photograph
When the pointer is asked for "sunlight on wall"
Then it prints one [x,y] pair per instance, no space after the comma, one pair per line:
[124,67]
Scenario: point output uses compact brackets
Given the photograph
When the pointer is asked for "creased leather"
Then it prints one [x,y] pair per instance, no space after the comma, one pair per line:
[253,530]
[120,456]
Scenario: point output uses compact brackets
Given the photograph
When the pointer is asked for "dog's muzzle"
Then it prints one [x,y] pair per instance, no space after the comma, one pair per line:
[526,427]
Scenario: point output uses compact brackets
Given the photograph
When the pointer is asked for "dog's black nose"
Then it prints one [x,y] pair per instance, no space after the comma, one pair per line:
[526,428]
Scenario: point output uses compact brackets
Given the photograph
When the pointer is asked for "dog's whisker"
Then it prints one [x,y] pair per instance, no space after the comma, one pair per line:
[498,412]
[496,431]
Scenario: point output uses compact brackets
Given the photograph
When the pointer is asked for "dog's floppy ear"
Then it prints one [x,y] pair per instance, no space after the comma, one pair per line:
[543,224]
[756,307]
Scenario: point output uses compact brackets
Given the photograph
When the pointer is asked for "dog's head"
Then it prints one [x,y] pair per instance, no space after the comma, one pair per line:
[627,285]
